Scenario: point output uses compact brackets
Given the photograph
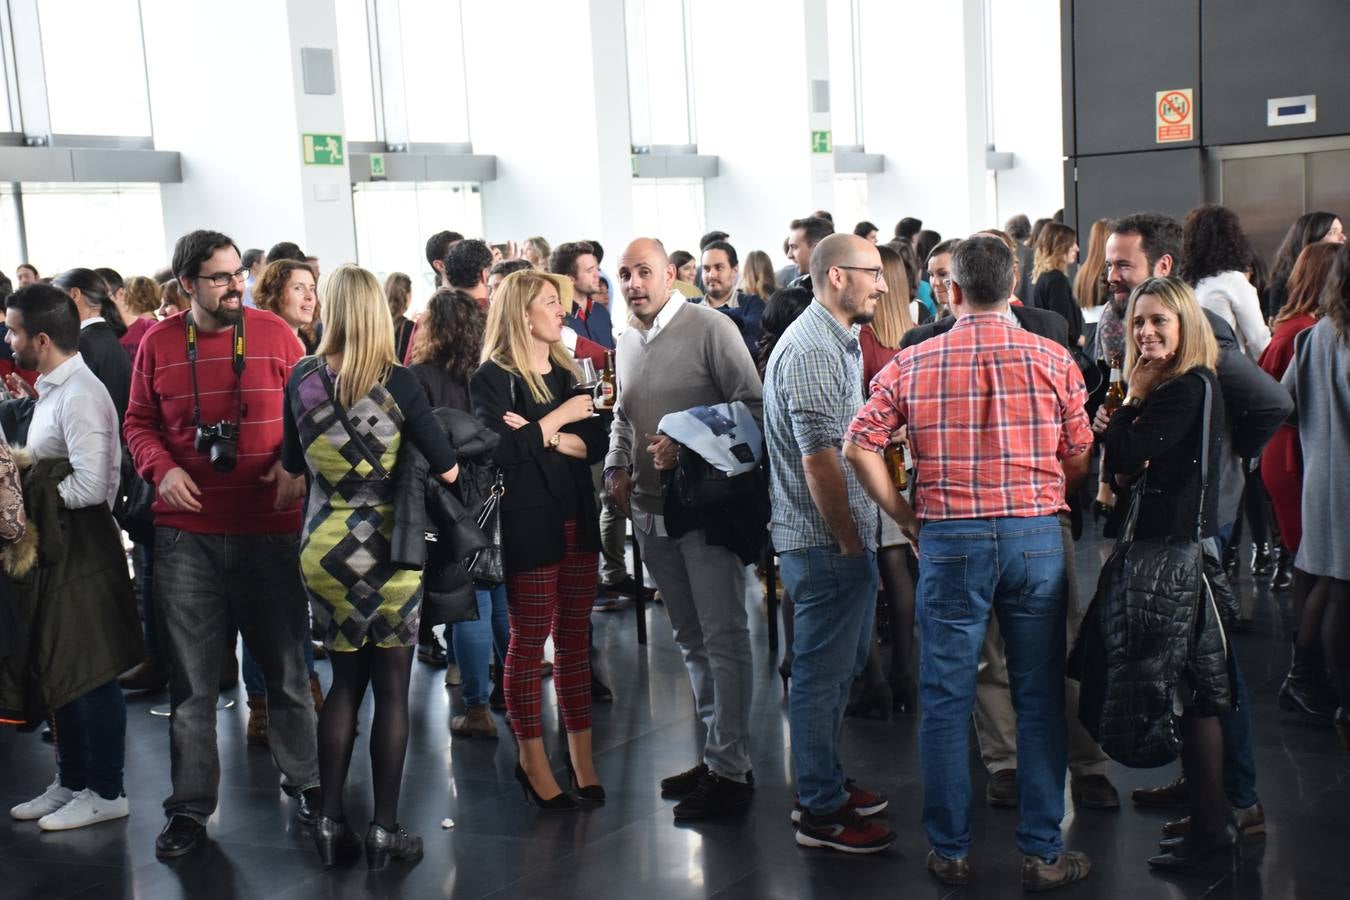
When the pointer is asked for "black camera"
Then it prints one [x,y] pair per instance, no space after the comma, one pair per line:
[221,443]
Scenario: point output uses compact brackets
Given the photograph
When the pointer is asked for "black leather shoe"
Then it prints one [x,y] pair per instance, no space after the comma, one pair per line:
[948,871]
[600,692]
[433,654]
[1283,579]
[335,841]
[1189,855]
[714,796]
[1173,794]
[685,782]
[1093,792]
[1002,788]
[307,805]
[1230,561]
[180,837]
[1301,692]
[383,845]
[1263,561]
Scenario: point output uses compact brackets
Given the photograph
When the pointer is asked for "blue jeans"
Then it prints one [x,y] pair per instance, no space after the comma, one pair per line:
[255,683]
[1239,762]
[91,736]
[834,608]
[1015,568]
[473,642]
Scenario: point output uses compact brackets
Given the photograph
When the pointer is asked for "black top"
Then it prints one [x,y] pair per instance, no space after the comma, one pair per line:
[441,388]
[1053,292]
[1165,432]
[1037,321]
[419,423]
[403,332]
[544,488]
[107,359]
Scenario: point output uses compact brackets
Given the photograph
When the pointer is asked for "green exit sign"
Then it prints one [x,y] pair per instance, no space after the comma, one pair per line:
[377,166]
[821,142]
[323,150]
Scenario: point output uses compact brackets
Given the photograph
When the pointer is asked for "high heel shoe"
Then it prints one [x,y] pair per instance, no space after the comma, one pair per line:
[1188,855]
[382,845]
[593,793]
[564,800]
[335,841]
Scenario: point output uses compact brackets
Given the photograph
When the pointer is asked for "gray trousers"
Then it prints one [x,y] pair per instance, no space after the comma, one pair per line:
[202,583]
[613,532]
[703,588]
[995,721]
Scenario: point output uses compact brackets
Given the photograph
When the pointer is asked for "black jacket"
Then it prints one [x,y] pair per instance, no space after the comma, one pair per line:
[1256,404]
[442,389]
[107,359]
[544,489]
[1037,321]
[1053,292]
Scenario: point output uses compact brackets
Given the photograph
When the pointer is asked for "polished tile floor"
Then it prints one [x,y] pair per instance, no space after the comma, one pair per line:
[630,848]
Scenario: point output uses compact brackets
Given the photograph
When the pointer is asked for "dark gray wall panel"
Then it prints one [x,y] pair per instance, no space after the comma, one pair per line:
[1253,52]
[1164,181]
[1124,53]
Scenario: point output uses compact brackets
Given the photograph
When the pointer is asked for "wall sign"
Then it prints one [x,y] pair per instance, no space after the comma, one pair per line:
[377,167]
[323,150]
[821,142]
[1291,110]
[1174,112]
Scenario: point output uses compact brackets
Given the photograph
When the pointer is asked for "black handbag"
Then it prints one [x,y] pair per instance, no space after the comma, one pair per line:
[487,565]
[1154,589]
[131,508]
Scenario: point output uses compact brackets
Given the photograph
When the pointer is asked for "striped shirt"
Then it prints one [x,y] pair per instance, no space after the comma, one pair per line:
[812,389]
[160,434]
[991,410]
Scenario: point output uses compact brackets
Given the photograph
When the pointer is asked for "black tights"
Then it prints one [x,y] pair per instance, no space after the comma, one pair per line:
[1202,764]
[388,671]
[1336,634]
[1309,602]
[897,581]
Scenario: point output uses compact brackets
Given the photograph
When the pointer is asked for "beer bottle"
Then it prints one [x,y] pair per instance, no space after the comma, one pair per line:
[609,386]
[1115,394]
[895,465]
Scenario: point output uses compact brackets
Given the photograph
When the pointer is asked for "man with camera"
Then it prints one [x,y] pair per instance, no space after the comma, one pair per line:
[204,426]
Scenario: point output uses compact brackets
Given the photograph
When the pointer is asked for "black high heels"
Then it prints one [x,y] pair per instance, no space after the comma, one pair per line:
[383,845]
[335,841]
[592,793]
[562,801]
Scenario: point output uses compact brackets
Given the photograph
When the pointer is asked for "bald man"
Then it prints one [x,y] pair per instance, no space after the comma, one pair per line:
[677,356]
[825,531]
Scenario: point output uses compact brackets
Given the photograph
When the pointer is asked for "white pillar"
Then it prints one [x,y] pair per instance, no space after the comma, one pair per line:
[226,92]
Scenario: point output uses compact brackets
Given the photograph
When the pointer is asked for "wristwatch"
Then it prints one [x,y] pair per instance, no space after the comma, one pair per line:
[555,440]
[1133,401]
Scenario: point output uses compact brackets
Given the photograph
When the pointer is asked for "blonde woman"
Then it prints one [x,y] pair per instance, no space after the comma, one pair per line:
[757,276]
[1089,285]
[1056,250]
[536,252]
[348,410]
[525,390]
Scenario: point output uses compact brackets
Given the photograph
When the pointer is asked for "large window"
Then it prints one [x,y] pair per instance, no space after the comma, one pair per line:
[394,220]
[658,72]
[845,83]
[433,42]
[358,83]
[670,209]
[95,66]
[850,202]
[91,225]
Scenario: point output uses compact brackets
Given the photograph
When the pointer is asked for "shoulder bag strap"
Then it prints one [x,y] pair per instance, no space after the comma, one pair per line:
[352,433]
[1204,458]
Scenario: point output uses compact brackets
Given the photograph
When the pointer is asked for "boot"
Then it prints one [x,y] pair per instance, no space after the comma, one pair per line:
[1230,561]
[256,732]
[1284,571]
[316,691]
[151,674]
[476,722]
[1301,691]
[1263,561]
[1342,722]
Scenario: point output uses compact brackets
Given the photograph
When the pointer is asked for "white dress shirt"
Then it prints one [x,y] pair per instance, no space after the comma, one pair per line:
[74,418]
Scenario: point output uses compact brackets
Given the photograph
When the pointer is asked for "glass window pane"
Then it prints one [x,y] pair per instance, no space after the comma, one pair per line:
[394,220]
[95,67]
[9,234]
[843,82]
[5,124]
[658,83]
[670,209]
[433,71]
[850,202]
[358,89]
[92,225]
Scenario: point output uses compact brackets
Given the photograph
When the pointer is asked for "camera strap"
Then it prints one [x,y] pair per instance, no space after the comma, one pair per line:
[237,363]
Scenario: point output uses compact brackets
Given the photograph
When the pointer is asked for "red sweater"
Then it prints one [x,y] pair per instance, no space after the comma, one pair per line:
[160,434]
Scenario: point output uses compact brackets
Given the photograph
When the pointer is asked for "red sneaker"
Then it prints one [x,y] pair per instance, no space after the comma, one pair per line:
[845,831]
[861,800]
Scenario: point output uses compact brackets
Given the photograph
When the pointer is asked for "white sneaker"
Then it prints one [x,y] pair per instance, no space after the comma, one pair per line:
[51,800]
[85,808]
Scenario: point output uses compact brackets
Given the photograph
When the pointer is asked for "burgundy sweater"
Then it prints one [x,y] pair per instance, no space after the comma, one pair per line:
[159,430]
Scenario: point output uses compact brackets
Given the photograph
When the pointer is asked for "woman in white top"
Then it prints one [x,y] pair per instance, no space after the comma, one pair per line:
[1215,260]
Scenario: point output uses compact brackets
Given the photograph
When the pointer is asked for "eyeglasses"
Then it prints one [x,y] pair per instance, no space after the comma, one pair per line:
[222,279]
[875,270]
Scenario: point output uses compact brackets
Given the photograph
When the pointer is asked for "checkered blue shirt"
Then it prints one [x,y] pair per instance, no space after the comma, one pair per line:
[812,390]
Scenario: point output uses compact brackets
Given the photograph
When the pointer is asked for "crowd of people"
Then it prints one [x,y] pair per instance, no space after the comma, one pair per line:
[907,429]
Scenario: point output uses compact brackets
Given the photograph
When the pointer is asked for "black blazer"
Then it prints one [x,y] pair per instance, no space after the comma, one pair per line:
[442,389]
[107,359]
[1052,291]
[1037,321]
[544,488]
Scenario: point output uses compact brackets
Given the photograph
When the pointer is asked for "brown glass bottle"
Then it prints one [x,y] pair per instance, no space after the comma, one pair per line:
[895,465]
[607,393]
[1115,394]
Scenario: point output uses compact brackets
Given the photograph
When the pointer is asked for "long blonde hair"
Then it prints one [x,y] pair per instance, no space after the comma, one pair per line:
[507,339]
[1052,249]
[757,275]
[357,325]
[892,318]
[1089,286]
[1196,347]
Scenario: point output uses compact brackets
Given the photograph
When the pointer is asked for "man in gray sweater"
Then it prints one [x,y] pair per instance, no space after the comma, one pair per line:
[679,355]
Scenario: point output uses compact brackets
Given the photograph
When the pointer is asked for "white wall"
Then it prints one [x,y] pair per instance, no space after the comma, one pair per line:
[235,110]
[1025,51]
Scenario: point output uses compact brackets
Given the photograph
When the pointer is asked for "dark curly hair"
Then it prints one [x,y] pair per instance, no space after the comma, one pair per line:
[1212,242]
[450,333]
[781,311]
[1336,294]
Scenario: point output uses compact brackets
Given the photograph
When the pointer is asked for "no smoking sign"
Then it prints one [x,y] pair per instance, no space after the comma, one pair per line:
[1174,113]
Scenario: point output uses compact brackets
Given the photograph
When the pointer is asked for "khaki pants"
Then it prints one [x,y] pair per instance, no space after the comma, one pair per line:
[995,721]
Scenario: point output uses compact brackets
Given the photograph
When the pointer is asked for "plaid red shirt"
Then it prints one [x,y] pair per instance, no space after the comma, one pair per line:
[991,410]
